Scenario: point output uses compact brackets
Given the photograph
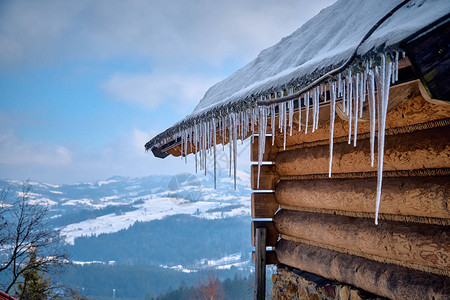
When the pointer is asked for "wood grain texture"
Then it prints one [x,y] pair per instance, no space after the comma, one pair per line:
[264,205]
[271,257]
[269,153]
[419,150]
[271,232]
[416,244]
[408,196]
[260,264]
[267,180]
[387,280]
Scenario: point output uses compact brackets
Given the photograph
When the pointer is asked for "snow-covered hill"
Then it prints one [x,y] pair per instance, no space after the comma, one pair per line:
[108,206]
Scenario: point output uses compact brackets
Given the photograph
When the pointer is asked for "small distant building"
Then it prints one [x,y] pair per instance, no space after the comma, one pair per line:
[349,119]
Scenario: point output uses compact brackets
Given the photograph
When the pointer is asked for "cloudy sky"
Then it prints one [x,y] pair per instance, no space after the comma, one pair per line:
[84,84]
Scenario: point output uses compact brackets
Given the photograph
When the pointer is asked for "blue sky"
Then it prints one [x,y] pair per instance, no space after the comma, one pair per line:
[84,84]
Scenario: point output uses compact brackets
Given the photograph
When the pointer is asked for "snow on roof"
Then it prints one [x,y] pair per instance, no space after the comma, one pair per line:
[322,43]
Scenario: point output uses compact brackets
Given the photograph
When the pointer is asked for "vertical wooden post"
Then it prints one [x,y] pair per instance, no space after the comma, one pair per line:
[260,264]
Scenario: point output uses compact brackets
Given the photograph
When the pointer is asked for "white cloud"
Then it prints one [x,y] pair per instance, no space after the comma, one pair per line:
[150,89]
[13,151]
[200,30]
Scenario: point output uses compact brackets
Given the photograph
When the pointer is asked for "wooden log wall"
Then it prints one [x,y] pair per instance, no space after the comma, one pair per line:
[326,225]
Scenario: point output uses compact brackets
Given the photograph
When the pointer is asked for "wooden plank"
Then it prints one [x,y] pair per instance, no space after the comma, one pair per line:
[408,196]
[271,232]
[260,264]
[267,180]
[269,152]
[271,257]
[387,280]
[264,205]
[399,242]
[411,151]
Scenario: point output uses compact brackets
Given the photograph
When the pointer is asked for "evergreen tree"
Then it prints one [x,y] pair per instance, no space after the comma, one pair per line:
[33,285]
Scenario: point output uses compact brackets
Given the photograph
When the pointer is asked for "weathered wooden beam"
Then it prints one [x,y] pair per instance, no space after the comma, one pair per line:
[267,180]
[409,244]
[271,232]
[387,280]
[269,152]
[264,205]
[271,257]
[423,149]
[407,196]
[260,264]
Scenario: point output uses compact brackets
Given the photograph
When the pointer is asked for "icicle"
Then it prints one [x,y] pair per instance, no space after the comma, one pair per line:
[262,134]
[230,126]
[252,117]
[349,106]
[196,146]
[205,145]
[317,108]
[300,112]
[234,148]
[344,96]
[339,85]
[306,101]
[363,91]
[291,115]
[383,82]
[214,152]
[357,91]
[272,121]
[372,112]
[284,124]
[332,116]
[314,98]
[280,117]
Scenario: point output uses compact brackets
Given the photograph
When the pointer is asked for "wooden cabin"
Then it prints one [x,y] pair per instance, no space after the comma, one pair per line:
[318,195]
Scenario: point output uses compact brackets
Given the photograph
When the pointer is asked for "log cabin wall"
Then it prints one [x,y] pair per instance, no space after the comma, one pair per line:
[325,226]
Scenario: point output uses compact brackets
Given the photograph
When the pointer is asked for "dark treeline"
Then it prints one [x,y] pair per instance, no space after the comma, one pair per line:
[238,288]
[98,281]
[174,240]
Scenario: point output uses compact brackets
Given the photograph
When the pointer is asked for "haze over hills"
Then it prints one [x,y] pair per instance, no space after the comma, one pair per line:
[178,223]
[107,206]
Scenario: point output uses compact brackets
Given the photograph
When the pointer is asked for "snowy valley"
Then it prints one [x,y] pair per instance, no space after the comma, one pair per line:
[179,225]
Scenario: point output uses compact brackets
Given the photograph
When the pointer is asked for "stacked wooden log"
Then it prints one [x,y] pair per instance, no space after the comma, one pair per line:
[326,225]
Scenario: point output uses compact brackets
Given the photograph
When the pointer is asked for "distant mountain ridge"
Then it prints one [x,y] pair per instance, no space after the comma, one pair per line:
[106,206]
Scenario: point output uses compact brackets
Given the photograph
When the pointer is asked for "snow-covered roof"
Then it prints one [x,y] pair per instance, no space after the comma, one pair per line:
[321,44]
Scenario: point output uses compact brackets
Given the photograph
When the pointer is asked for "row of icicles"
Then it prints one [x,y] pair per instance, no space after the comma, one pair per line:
[354,89]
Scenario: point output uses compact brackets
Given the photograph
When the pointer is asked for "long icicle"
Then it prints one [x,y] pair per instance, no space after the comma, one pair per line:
[262,138]
[214,152]
[357,99]
[372,114]
[318,108]
[272,122]
[284,125]
[300,113]
[234,147]
[306,100]
[349,105]
[291,115]
[332,116]
[383,79]
[230,126]
[314,98]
